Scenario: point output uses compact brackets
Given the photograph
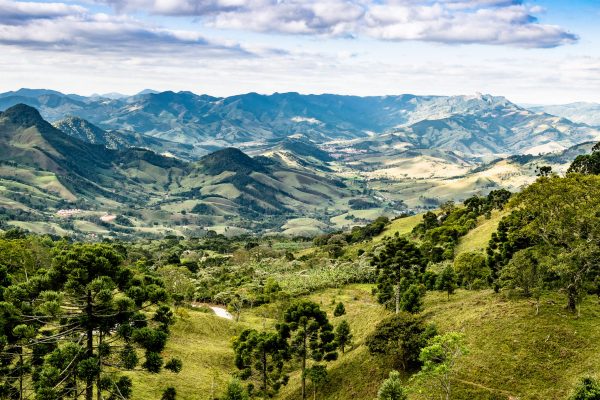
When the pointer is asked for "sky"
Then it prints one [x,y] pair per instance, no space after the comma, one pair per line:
[532,52]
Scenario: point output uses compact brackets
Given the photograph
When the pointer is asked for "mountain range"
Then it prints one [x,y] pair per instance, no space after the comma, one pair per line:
[297,164]
[475,126]
[45,170]
[582,112]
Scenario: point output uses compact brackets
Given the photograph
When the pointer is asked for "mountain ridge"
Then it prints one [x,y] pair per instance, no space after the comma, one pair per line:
[207,123]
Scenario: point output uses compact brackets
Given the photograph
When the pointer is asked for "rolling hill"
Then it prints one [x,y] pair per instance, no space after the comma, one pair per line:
[223,188]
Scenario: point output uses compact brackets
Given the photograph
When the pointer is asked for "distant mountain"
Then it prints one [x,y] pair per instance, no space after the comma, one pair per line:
[585,113]
[111,95]
[55,105]
[475,126]
[501,131]
[49,168]
[87,170]
[264,185]
[88,132]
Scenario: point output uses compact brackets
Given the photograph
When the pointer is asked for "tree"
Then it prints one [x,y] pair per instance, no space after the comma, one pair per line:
[411,299]
[439,359]
[317,375]
[587,389]
[343,336]
[400,337]
[89,293]
[544,170]
[339,310]
[261,355]
[446,281]
[235,391]
[561,219]
[526,272]
[587,163]
[310,334]
[178,281]
[399,264]
[391,388]
[471,267]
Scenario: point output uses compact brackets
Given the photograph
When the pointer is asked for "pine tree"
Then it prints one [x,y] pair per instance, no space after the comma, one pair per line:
[339,310]
[391,388]
[261,355]
[311,335]
[317,375]
[447,280]
[343,336]
[90,295]
[399,265]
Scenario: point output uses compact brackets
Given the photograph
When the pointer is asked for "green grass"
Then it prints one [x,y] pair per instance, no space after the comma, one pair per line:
[513,352]
[203,342]
[402,226]
[478,238]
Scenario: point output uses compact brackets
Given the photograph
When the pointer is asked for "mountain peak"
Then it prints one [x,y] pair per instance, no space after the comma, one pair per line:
[230,159]
[23,115]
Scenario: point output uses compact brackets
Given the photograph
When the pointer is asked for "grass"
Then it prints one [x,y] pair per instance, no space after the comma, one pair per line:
[203,342]
[478,238]
[513,353]
[402,226]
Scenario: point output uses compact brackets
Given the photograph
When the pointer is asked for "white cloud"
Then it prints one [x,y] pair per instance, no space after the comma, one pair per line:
[57,26]
[20,12]
[495,22]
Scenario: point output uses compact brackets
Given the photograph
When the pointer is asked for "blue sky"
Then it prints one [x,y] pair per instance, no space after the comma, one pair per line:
[544,51]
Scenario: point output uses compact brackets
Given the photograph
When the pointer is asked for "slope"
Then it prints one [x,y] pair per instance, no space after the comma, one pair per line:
[513,352]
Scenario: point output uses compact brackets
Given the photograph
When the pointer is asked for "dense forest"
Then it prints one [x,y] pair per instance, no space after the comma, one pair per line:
[96,320]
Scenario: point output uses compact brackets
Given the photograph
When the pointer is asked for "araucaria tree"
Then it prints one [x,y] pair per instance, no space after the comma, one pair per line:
[343,335]
[96,312]
[399,265]
[260,356]
[310,335]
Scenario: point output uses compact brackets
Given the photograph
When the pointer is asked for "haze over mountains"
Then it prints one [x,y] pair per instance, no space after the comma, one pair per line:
[474,125]
[166,161]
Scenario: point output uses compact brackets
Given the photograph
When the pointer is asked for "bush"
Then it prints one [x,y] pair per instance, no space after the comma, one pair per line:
[588,389]
[339,310]
[235,391]
[391,388]
[169,394]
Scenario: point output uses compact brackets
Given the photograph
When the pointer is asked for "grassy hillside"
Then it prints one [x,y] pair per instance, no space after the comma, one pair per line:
[477,238]
[203,342]
[513,352]
[402,226]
